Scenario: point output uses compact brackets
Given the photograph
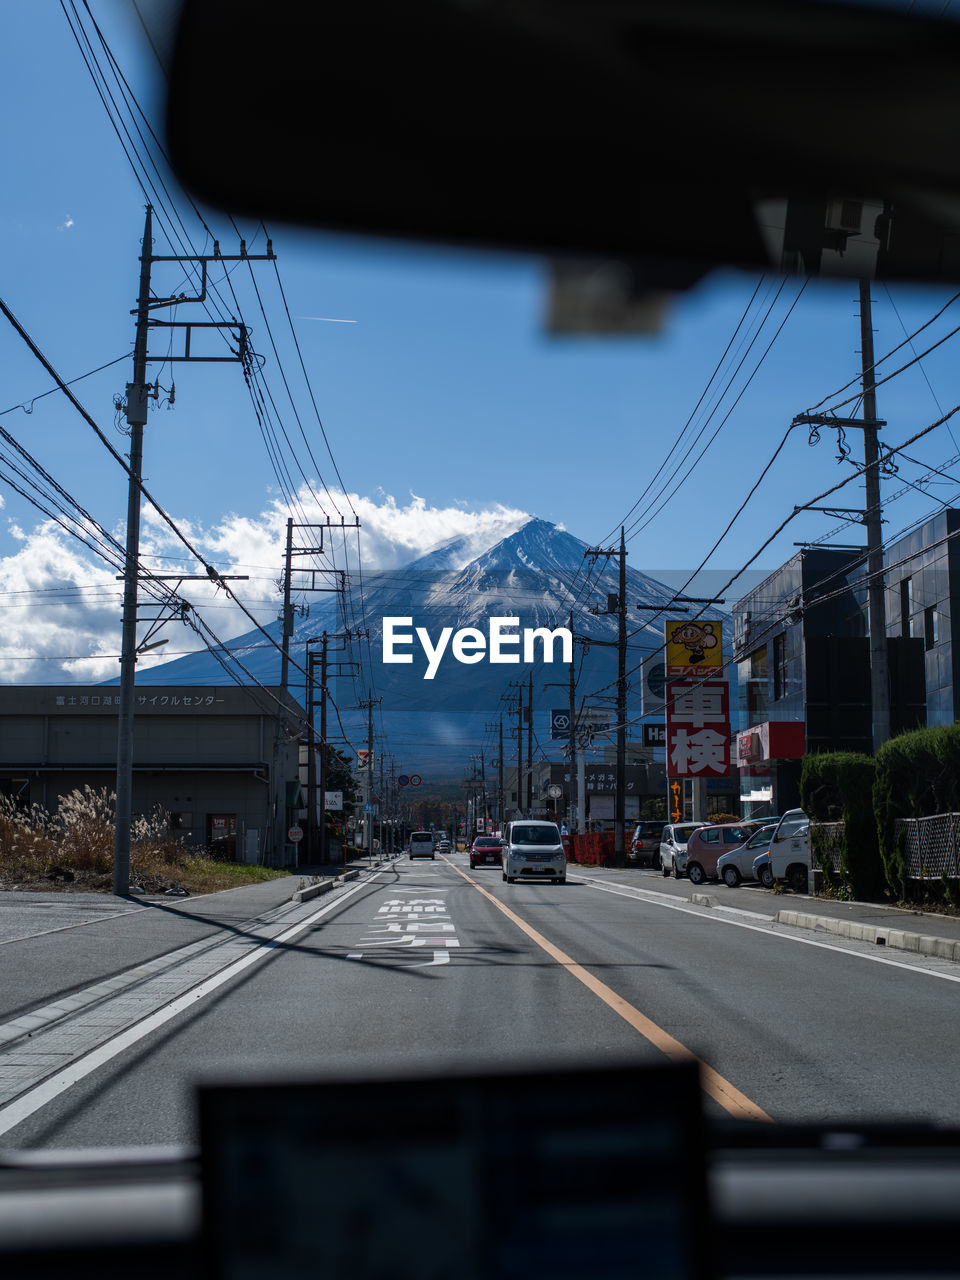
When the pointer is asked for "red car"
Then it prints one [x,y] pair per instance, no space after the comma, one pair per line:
[486,851]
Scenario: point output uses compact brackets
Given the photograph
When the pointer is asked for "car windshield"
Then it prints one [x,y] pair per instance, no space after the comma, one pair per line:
[791,826]
[319,534]
[535,835]
[760,839]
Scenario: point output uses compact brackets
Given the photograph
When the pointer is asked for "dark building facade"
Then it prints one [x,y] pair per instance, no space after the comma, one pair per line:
[802,656]
[922,581]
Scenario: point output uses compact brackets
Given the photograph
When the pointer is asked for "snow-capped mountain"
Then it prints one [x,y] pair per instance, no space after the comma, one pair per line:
[538,574]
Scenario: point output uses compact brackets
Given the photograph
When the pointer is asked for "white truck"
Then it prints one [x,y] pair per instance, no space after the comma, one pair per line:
[789,853]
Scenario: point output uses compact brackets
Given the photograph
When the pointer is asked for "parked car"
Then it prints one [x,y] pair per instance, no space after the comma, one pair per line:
[673,846]
[788,855]
[645,845]
[486,851]
[705,846]
[738,864]
[420,845]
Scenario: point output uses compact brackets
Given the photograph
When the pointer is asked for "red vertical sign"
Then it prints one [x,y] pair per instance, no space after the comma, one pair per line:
[698,729]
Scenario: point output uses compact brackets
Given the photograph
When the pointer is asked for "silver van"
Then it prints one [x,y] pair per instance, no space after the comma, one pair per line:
[533,850]
[421,845]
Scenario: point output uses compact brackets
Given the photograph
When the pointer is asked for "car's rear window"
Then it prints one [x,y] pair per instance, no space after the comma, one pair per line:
[488,842]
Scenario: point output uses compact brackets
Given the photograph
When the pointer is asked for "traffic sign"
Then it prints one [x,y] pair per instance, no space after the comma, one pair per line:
[295,834]
[415,779]
[559,723]
[403,780]
[368,808]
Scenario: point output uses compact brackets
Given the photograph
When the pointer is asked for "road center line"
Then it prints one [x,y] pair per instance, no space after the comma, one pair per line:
[714,1085]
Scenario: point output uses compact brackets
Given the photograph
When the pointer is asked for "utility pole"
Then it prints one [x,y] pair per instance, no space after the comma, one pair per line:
[879,682]
[317,777]
[306,583]
[500,814]
[281,726]
[138,393]
[618,605]
[572,747]
[136,413]
[519,748]
[530,749]
[368,706]
[870,517]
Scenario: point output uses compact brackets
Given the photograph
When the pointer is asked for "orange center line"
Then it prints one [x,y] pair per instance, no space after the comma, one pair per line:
[715,1085]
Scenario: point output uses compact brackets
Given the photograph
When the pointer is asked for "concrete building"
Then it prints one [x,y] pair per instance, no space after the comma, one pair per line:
[922,584]
[803,673]
[204,755]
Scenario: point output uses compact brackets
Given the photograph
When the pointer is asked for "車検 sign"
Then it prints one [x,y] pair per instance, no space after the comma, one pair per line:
[698,729]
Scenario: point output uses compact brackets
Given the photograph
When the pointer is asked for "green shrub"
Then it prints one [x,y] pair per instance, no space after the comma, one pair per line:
[837,786]
[917,775]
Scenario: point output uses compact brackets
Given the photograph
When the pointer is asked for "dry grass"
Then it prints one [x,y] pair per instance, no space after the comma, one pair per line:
[73,849]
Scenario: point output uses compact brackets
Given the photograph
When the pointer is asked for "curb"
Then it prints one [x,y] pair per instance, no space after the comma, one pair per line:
[925,944]
[323,886]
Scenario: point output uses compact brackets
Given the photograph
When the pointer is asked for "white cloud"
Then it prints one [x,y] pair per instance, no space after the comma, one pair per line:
[62,607]
[66,224]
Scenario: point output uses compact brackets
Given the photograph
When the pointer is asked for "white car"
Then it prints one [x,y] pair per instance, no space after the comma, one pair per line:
[789,853]
[673,846]
[738,864]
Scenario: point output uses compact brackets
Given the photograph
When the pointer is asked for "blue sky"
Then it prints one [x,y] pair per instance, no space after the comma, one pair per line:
[447,406]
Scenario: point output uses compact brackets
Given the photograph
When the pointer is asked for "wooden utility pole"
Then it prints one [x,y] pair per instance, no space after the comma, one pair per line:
[879,679]
[618,605]
[138,395]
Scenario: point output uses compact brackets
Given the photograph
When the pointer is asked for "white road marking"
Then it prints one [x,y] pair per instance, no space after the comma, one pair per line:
[49,1090]
[773,931]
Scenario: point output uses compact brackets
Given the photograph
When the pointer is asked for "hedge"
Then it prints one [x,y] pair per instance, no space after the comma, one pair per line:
[917,775]
[838,786]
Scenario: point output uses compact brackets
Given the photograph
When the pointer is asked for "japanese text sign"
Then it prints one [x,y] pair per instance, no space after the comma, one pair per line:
[698,729]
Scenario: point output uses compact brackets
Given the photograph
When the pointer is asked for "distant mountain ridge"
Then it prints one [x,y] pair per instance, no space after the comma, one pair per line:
[535,574]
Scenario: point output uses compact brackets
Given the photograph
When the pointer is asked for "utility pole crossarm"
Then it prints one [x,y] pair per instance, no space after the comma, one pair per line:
[828,420]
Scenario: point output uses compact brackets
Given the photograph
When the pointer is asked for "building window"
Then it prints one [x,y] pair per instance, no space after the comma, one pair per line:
[906,605]
[779,666]
[929,627]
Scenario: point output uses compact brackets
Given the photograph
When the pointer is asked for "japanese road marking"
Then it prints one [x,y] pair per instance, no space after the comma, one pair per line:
[714,1085]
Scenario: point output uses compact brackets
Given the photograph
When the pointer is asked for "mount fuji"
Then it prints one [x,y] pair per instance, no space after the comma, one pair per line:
[538,574]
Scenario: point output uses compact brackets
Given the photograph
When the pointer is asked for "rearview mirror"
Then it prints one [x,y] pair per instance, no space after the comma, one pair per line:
[662,138]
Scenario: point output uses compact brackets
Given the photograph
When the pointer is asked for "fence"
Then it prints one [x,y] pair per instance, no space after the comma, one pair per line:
[826,844]
[931,846]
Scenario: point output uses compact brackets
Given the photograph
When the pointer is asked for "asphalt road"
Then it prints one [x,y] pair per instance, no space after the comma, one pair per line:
[430,964]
